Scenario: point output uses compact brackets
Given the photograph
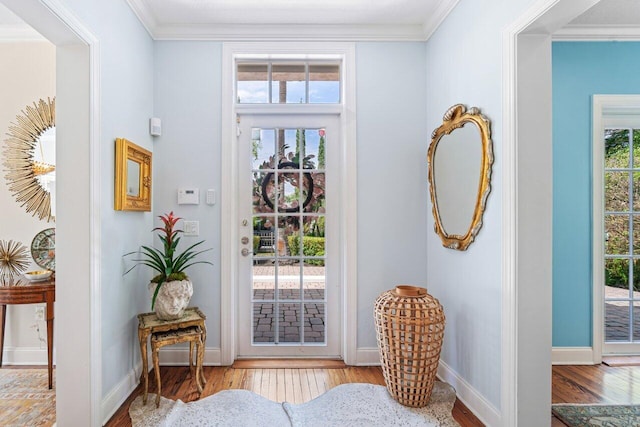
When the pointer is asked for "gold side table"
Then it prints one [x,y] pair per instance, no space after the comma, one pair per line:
[148,323]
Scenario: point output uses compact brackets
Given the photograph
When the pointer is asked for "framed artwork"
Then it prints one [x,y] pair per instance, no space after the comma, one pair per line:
[132,177]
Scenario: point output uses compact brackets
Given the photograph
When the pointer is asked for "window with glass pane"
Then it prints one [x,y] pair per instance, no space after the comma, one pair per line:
[252,83]
[622,234]
[289,236]
[288,82]
[324,83]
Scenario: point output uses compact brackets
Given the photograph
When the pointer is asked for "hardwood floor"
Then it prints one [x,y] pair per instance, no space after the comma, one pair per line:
[595,384]
[278,384]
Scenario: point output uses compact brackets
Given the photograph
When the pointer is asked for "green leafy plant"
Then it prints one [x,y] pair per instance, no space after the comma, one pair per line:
[170,265]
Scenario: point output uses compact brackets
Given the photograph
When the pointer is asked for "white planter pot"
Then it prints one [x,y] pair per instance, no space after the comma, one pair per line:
[172,298]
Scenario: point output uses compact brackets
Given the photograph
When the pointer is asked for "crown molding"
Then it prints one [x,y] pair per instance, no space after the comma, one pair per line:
[438,16]
[301,32]
[145,16]
[597,33]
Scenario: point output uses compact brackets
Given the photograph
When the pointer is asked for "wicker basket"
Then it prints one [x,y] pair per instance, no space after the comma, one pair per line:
[409,329]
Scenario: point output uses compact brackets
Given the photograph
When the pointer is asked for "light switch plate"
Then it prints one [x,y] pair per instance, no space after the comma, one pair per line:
[191,228]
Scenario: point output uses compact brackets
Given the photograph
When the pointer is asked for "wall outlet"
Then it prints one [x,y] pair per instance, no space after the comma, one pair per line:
[40,313]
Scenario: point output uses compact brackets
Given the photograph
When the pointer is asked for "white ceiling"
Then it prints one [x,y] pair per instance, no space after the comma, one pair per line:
[328,19]
[607,19]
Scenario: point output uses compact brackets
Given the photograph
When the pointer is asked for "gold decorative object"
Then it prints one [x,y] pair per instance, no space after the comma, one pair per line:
[14,258]
[459,158]
[132,177]
[409,329]
[22,170]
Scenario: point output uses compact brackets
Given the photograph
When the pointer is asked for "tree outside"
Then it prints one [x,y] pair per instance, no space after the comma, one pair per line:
[622,208]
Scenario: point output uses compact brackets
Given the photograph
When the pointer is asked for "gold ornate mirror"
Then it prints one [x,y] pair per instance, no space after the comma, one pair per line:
[29,158]
[132,177]
[459,158]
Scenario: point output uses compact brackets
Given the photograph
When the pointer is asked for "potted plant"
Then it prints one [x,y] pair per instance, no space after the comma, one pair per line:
[171,288]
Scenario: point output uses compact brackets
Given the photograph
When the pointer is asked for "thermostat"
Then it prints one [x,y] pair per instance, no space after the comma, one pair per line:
[188,196]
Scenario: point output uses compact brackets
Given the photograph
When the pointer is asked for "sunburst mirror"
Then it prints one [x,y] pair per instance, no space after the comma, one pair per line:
[29,158]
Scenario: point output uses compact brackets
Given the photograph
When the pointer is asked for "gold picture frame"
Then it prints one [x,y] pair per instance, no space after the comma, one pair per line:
[132,177]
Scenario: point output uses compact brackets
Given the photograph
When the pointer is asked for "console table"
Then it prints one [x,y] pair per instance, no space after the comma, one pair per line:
[148,324]
[22,291]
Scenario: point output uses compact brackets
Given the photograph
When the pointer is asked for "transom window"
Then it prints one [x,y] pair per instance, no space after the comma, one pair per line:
[287,82]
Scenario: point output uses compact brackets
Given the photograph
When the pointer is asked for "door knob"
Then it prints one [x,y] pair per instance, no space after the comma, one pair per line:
[245,252]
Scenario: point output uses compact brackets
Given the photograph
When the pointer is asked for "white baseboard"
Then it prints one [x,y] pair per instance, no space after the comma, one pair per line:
[116,397]
[179,356]
[572,356]
[367,356]
[472,399]
[25,356]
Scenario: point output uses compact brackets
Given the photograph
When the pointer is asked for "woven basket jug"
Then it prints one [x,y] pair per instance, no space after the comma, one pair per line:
[409,330]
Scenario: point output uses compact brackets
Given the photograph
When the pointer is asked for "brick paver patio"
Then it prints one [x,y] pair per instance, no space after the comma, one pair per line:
[617,315]
[293,312]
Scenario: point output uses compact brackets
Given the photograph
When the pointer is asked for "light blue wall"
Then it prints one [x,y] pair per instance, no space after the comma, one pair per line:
[580,69]
[392,193]
[126,103]
[464,66]
[391,146]
[187,82]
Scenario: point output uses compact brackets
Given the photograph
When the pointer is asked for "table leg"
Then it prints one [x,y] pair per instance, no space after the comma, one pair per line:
[3,318]
[50,340]
[156,368]
[199,365]
[204,343]
[142,336]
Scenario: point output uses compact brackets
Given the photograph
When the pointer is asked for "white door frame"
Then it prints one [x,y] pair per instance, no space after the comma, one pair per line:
[602,104]
[230,239]
[78,385]
[526,204]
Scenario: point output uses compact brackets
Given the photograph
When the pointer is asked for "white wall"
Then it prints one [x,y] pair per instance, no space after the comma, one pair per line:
[27,74]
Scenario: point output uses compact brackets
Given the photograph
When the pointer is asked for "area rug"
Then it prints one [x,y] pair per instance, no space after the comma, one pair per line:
[354,405]
[25,398]
[597,415]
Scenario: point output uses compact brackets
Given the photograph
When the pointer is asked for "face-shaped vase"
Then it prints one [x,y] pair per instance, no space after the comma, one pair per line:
[173,298]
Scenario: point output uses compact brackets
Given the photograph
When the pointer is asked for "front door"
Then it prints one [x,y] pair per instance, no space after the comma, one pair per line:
[289,207]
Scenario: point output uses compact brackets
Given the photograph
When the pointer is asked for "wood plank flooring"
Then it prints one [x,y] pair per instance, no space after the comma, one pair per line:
[595,384]
[295,385]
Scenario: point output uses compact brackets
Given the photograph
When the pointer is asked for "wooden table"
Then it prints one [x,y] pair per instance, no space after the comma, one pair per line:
[22,291]
[148,323]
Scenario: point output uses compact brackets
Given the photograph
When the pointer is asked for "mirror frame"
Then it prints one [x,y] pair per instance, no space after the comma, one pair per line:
[125,151]
[22,170]
[456,117]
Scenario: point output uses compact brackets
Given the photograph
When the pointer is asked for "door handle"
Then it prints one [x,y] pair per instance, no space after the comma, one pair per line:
[245,252]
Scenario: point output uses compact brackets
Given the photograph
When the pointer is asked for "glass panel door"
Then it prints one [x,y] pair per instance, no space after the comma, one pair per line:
[622,241]
[288,205]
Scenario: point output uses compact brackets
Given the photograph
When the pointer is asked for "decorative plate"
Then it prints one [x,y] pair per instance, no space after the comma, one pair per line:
[43,249]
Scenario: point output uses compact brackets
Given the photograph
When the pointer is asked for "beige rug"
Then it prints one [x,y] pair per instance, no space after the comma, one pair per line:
[25,398]
[353,405]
